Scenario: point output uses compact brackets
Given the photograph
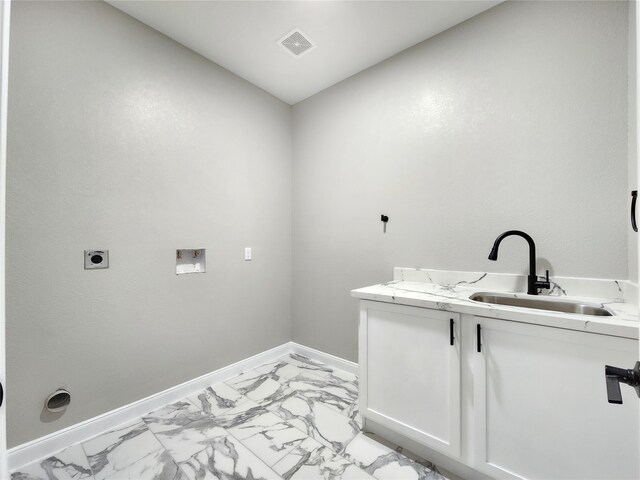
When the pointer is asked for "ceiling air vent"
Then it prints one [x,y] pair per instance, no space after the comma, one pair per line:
[296,43]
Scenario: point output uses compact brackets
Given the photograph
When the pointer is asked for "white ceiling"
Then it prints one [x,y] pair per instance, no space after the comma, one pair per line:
[350,36]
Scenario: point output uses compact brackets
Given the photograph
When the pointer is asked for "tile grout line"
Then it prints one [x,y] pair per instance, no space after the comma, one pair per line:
[343,454]
[135,422]
[169,451]
[288,452]
[256,455]
[163,445]
[310,372]
[228,434]
[93,475]
[273,413]
[306,371]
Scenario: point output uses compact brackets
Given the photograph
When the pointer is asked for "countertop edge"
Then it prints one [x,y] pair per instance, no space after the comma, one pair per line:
[611,326]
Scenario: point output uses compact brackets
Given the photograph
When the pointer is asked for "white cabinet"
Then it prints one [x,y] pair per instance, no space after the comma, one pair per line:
[535,400]
[541,404]
[410,372]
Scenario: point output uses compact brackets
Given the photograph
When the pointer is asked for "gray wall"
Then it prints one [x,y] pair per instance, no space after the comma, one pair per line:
[121,139]
[516,118]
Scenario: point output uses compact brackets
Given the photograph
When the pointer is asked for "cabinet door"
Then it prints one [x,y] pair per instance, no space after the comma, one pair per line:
[541,404]
[410,372]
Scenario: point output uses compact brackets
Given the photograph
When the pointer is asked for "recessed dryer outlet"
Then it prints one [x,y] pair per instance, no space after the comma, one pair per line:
[191,260]
[94,259]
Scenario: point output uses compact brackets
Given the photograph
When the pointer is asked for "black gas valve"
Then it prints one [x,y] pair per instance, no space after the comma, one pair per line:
[615,376]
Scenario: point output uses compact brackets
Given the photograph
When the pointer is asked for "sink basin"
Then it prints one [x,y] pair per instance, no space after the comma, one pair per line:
[542,303]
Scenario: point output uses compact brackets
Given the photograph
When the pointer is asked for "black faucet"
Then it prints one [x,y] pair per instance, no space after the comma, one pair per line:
[533,282]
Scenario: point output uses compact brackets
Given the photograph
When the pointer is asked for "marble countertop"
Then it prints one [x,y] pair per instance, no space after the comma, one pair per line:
[419,288]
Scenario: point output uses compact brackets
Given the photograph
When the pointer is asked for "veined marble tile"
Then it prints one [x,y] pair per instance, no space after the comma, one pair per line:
[111,452]
[181,415]
[184,430]
[202,448]
[312,460]
[311,365]
[245,412]
[248,381]
[156,466]
[279,370]
[259,387]
[340,376]
[293,365]
[225,458]
[268,436]
[267,392]
[353,412]
[218,399]
[320,422]
[337,394]
[69,464]
[385,464]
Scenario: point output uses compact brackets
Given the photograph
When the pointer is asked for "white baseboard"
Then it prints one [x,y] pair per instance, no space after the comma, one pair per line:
[48,445]
[323,357]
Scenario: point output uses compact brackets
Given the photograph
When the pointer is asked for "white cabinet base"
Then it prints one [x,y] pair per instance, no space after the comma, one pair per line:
[541,404]
[531,404]
[410,372]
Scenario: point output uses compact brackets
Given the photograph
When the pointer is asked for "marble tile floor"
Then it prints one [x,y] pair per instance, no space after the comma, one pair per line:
[293,418]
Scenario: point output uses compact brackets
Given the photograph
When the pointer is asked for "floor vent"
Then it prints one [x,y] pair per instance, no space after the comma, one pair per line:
[296,43]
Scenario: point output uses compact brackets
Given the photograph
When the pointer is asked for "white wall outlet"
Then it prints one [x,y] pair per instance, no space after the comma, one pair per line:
[247,253]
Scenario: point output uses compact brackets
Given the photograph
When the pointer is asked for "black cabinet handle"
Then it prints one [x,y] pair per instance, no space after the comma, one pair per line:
[634,198]
[479,342]
[1,394]
[451,324]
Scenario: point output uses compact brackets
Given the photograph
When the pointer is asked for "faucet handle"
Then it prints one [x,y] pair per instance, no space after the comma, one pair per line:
[545,283]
